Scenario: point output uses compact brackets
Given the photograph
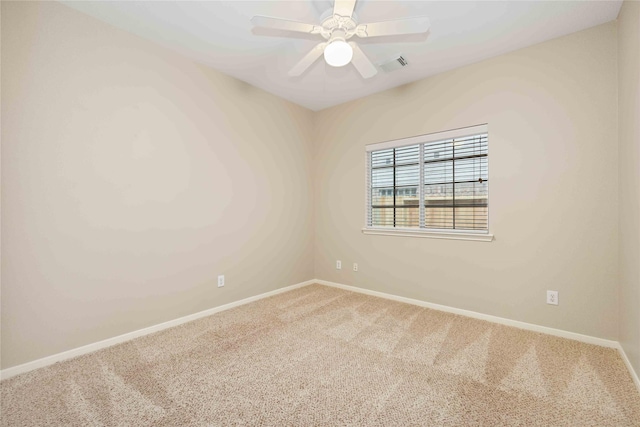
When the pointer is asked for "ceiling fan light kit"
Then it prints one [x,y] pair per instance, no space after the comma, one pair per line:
[336,30]
[338,52]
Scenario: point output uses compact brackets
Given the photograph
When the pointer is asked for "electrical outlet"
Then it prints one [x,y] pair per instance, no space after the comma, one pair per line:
[552,297]
[221,280]
[355,266]
[338,265]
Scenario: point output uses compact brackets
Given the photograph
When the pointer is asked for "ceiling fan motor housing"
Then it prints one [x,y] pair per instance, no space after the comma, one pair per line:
[347,25]
[338,35]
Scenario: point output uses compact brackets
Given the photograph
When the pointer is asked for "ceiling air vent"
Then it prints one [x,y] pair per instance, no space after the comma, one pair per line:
[394,64]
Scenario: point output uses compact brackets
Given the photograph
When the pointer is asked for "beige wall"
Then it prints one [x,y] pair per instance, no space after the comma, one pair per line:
[131,178]
[552,116]
[629,179]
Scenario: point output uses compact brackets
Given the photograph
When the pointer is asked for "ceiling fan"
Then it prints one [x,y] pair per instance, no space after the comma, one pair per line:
[336,29]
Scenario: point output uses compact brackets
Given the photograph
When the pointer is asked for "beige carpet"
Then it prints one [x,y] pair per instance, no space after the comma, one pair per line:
[324,356]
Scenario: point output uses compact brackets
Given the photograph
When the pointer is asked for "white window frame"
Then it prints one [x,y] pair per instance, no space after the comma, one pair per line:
[475,235]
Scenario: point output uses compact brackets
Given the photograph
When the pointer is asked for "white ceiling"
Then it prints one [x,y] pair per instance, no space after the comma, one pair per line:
[219,34]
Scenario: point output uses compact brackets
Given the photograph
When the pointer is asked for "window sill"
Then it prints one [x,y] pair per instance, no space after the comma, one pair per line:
[453,235]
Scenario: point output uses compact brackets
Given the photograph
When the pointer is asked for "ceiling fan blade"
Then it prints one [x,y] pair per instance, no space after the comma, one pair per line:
[284,24]
[308,60]
[344,7]
[362,63]
[419,24]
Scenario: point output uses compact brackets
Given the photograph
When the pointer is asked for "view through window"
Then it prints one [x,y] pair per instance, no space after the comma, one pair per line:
[449,174]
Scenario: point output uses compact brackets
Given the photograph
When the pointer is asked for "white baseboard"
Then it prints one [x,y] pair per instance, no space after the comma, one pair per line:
[50,360]
[474,314]
[89,348]
[495,319]
[634,374]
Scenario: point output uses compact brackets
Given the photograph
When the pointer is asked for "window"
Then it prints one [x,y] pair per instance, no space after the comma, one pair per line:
[432,185]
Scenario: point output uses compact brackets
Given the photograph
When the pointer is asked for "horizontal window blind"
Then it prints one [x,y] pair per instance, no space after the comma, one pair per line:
[439,183]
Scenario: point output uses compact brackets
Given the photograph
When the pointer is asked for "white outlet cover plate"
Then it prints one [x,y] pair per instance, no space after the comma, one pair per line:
[552,297]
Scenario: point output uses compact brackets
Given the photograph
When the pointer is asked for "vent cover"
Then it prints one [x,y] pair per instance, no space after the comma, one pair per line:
[394,64]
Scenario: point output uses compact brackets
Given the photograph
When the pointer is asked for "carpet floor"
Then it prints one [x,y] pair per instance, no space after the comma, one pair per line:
[324,356]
